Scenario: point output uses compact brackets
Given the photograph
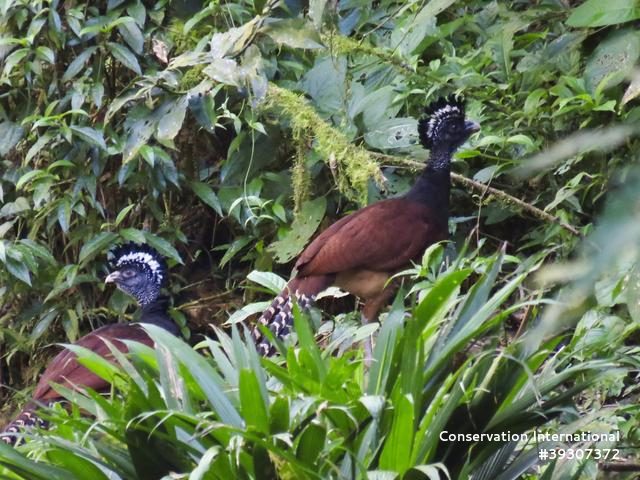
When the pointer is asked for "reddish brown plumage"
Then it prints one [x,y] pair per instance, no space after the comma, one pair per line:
[65,370]
[362,251]
[138,270]
[384,236]
[359,253]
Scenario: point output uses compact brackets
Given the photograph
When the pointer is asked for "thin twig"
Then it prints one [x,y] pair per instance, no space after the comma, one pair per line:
[200,301]
[482,189]
[620,467]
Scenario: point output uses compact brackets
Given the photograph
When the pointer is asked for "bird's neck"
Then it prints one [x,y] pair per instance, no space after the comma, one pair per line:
[433,184]
[156,312]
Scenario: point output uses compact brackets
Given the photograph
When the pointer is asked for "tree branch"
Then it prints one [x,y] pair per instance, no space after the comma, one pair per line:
[503,197]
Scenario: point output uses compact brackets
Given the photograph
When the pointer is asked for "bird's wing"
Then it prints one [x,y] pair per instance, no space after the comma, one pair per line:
[65,370]
[384,236]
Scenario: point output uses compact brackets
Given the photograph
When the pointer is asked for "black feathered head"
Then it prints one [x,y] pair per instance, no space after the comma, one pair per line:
[138,270]
[444,124]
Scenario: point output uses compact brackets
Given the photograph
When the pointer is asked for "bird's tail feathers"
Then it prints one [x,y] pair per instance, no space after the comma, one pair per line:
[279,316]
[28,418]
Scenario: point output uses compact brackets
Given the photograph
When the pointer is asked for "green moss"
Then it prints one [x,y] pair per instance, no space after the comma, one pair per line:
[341,45]
[352,166]
[192,77]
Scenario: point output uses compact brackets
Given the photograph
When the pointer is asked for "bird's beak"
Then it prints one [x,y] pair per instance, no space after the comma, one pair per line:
[471,126]
[112,277]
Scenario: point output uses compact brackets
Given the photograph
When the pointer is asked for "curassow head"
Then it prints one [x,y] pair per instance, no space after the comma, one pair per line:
[444,125]
[138,270]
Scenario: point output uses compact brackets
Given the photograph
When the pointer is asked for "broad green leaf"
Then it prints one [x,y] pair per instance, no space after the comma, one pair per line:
[124,56]
[169,124]
[269,280]
[233,249]
[295,33]
[11,133]
[46,54]
[207,195]
[613,59]
[123,213]
[21,204]
[29,177]
[225,71]
[598,13]
[96,245]
[396,454]
[15,461]
[132,235]
[64,214]
[202,372]
[304,226]
[164,247]
[90,135]
[18,270]
[12,60]
[253,406]
[132,35]
[311,443]
[78,64]
[393,133]
[139,135]
[381,369]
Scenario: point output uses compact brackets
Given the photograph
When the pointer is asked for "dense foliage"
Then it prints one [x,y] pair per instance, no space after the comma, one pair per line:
[226,134]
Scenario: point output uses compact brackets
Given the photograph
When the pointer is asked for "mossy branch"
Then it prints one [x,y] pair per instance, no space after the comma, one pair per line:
[341,45]
[355,165]
[351,165]
[508,200]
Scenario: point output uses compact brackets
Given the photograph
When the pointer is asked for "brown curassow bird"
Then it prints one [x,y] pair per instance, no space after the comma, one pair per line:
[139,271]
[360,252]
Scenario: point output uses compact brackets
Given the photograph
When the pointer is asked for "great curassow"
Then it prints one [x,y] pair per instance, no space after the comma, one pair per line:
[138,270]
[360,252]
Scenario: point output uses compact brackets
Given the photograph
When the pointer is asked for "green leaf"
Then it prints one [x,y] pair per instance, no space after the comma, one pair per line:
[18,270]
[21,204]
[96,245]
[295,33]
[396,454]
[132,235]
[598,13]
[124,56]
[269,280]
[14,461]
[10,133]
[207,195]
[311,443]
[170,123]
[64,214]
[393,133]
[164,247]
[613,59]
[252,404]
[78,64]
[236,246]
[139,134]
[90,135]
[201,371]
[303,227]
[123,213]
[46,54]
[94,362]
[132,35]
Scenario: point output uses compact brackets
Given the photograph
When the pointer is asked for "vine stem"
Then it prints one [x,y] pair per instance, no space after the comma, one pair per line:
[482,189]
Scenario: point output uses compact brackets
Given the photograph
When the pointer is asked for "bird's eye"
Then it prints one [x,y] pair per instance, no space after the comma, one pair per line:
[128,273]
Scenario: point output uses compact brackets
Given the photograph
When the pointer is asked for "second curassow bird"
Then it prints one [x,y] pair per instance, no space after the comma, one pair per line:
[138,270]
[360,252]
